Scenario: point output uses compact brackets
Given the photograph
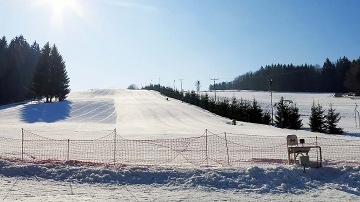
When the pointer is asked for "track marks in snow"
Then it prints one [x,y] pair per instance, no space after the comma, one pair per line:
[149,112]
[93,111]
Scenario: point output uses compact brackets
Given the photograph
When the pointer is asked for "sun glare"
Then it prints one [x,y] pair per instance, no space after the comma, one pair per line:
[61,8]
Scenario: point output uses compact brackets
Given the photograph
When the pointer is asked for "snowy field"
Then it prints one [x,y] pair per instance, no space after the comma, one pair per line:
[147,115]
[346,106]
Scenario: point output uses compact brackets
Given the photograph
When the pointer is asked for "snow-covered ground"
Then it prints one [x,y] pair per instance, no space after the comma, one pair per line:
[51,182]
[346,106]
[148,115]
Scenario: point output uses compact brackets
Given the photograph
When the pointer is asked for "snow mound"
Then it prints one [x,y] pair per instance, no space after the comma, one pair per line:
[251,179]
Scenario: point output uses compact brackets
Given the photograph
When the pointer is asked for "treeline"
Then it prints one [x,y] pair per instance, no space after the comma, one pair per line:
[286,115]
[341,76]
[27,72]
[240,110]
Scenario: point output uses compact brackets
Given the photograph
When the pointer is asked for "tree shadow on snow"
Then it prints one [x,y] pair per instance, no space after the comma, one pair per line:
[46,112]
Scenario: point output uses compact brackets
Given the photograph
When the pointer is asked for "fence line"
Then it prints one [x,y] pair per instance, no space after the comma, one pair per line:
[225,149]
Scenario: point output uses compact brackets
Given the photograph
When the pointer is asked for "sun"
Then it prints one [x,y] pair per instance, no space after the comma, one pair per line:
[60,9]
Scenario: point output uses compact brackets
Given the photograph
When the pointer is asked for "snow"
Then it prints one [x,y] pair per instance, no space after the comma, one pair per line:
[344,105]
[148,115]
[35,182]
[57,182]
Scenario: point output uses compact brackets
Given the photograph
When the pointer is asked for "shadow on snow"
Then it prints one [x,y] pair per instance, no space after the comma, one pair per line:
[46,112]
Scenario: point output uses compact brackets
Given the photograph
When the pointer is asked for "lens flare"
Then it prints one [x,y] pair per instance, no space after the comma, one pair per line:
[60,9]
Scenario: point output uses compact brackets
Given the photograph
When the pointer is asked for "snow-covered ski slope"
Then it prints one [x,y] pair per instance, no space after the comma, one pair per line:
[143,114]
[148,115]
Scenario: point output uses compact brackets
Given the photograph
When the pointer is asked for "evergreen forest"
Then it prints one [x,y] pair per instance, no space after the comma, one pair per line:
[28,72]
[341,76]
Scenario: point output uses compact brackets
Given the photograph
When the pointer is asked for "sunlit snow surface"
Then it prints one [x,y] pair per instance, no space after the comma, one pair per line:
[148,115]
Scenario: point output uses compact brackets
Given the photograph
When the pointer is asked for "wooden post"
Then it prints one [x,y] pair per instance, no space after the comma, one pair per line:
[227,150]
[22,144]
[114,146]
[68,150]
[206,148]
[320,156]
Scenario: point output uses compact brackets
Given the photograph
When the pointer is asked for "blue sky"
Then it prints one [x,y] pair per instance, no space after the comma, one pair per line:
[115,43]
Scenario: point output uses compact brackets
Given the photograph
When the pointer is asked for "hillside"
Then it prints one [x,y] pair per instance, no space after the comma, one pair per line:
[144,115]
[137,114]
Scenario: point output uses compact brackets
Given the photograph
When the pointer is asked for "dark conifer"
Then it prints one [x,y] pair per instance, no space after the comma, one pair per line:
[317,119]
[287,116]
[59,78]
[282,114]
[3,69]
[332,119]
[233,108]
[19,69]
[352,78]
[294,118]
[255,112]
[204,101]
[243,111]
[266,118]
[50,78]
[41,80]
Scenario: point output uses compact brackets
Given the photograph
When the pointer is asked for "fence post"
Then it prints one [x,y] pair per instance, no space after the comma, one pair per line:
[22,144]
[355,110]
[317,152]
[206,148]
[68,150]
[227,150]
[114,146]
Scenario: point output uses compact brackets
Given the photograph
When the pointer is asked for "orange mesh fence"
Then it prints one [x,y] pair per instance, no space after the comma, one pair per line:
[10,148]
[210,149]
[340,150]
[38,148]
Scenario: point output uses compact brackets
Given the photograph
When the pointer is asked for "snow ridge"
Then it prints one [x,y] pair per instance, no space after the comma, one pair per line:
[260,180]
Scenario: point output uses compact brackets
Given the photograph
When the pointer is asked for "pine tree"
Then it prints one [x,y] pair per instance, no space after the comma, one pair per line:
[3,69]
[50,77]
[243,110]
[41,81]
[332,120]
[328,73]
[18,52]
[294,118]
[33,58]
[317,119]
[204,101]
[255,112]
[221,107]
[266,118]
[233,108]
[59,78]
[287,116]
[282,113]
[352,78]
